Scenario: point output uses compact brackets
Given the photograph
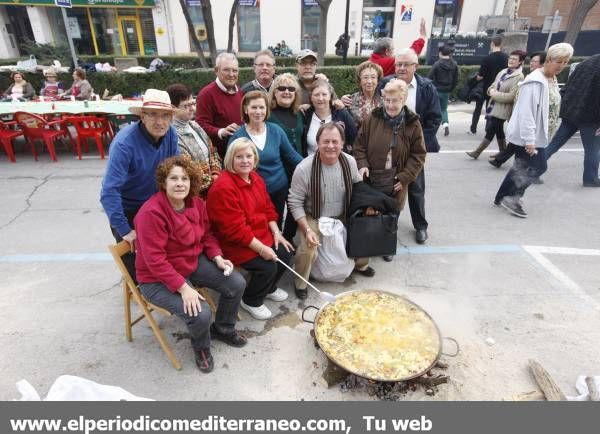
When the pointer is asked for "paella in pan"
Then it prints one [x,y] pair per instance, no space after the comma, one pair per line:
[378,335]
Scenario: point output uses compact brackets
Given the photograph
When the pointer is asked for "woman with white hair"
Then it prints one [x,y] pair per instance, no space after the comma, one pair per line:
[390,149]
[533,122]
[245,223]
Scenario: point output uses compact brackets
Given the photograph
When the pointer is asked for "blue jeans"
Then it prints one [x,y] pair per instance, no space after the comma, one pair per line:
[525,169]
[591,146]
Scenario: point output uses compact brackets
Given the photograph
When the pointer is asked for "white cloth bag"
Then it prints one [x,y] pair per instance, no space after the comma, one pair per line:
[332,264]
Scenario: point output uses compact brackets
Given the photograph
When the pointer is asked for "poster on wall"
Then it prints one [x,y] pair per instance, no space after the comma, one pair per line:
[406,14]
[74,29]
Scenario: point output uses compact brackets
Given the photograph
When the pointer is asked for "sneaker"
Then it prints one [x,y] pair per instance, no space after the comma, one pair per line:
[388,258]
[204,360]
[367,272]
[538,181]
[514,206]
[446,128]
[494,162]
[471,133]
[278,295]
[260,312]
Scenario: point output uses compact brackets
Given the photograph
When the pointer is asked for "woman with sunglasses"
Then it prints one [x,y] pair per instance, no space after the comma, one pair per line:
[275,151]
[192,139]
[285,104]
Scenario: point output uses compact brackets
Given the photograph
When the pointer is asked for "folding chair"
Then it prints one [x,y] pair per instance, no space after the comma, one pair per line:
[132,291]
[7,135]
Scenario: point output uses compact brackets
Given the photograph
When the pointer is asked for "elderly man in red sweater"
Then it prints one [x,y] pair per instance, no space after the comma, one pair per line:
[218,103]
[383,50]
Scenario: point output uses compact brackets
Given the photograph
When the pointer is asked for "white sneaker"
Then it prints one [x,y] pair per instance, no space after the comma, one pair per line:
[278,295]
[260,312]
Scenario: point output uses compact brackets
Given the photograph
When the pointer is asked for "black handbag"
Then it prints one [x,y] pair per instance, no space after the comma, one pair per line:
[383,180]
[371,235]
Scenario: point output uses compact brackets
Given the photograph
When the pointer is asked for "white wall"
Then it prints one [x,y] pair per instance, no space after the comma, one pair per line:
[162,29]
[6,48]
[406,32]
[40,24]
[280,20]
[472,9]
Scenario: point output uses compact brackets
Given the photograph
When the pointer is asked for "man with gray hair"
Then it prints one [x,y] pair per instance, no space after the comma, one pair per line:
[264,72]
[422,99]
[218,103]
[383,50]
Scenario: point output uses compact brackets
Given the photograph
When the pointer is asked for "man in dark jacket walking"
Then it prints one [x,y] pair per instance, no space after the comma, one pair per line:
[580,110]
[444,75]
[422,99]
[491,65]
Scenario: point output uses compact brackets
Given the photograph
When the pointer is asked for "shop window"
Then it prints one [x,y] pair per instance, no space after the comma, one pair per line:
[446,17]
[147,25]
[195,11]
[377,22]
[81,33]
[106,30]
[248,27]
[311,14]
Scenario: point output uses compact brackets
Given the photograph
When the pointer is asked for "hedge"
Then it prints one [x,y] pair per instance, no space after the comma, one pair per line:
[342,78]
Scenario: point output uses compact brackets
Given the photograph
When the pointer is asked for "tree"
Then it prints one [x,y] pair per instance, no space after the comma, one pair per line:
[210,28]
[324,6]
[579,12]
[234,8]
[192,31]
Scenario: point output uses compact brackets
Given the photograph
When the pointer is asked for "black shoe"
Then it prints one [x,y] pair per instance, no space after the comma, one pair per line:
[204,360]
[495,163]
[233,339]
[367,272]
[538,181]
[446,130]
[513,206]
[301,293]
[421,236]
[595,183]
[387,258]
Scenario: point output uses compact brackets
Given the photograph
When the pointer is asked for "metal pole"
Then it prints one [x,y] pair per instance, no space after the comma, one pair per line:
[71,46]
[554,18]
[346,34]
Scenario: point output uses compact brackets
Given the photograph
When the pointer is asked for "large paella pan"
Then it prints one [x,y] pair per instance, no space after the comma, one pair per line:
[378,335]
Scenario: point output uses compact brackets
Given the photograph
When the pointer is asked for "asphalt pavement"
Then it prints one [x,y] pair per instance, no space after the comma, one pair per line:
[507,289]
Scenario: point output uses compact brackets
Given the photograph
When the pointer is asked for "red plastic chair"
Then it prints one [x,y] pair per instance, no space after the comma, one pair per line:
[36,127]
[89,127]
[6,137]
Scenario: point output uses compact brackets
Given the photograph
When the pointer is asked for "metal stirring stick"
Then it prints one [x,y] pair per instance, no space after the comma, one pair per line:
[327,296]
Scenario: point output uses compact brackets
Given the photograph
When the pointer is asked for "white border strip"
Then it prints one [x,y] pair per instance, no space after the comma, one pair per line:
[537,253]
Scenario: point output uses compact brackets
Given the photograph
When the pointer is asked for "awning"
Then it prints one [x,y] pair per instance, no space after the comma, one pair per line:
[84,3]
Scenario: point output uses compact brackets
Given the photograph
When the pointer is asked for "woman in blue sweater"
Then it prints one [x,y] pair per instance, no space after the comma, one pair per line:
[275,152]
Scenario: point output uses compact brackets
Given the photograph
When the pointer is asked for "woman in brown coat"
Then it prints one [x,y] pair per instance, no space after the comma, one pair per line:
[390,149]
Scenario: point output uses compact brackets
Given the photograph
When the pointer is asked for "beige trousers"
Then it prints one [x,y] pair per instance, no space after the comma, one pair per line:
[307,255]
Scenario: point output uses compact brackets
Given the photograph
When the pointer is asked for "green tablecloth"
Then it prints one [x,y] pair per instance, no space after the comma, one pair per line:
[72,107]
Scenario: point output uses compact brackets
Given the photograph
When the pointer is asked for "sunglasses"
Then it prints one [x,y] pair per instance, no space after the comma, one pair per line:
[284,88]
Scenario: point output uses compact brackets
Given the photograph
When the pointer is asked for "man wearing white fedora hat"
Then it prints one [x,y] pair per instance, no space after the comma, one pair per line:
[135,153]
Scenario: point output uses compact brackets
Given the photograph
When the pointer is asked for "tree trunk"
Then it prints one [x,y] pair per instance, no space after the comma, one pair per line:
[579,12]
[324,6]
[193,35]
[210,29]
[234,8]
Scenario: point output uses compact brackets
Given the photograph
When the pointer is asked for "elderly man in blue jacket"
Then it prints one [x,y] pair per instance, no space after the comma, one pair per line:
[422,99]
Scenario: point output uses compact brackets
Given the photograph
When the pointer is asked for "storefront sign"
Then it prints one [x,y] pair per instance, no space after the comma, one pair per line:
[63,3]
[465,51]
[311,3]
[406,13]
[83,3]
[250,3]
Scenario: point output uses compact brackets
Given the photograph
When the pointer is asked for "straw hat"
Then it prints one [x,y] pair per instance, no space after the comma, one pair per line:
[154,99]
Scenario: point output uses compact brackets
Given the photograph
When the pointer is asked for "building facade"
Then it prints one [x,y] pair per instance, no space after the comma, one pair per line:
[158,27]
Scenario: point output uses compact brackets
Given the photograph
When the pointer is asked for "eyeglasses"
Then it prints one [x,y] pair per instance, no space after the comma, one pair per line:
[264,65]
[284,88]
[404,65]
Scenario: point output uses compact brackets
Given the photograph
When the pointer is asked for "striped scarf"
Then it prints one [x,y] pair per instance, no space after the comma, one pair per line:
[315,185]
[488,110]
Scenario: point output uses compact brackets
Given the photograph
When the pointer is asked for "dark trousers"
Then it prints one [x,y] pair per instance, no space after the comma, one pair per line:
[503,156]
[477,112]
[129,258]
[525,169]
[416,201]
[591,147]
[495,127]
[264,276]
[289,226]
[230,289]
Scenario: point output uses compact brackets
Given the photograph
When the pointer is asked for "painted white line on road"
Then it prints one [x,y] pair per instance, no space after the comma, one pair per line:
[495,151]
[564,250]
[536,253]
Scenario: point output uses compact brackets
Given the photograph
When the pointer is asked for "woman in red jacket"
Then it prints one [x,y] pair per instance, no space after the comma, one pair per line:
[245,222]
[176,249]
